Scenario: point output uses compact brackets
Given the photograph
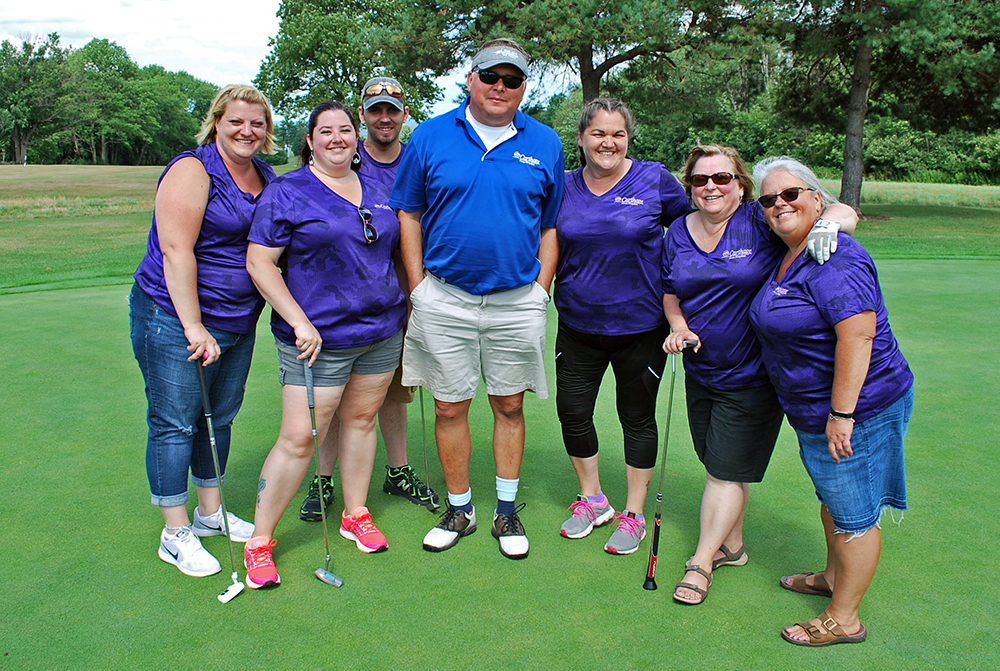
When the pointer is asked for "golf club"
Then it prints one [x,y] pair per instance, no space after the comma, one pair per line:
[655,544]
[321,573]
[233,590]
[431,506]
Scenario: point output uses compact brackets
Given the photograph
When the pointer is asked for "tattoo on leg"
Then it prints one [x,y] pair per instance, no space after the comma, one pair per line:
[260,488]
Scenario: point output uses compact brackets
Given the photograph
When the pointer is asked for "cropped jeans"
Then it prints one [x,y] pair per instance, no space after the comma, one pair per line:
[178,436]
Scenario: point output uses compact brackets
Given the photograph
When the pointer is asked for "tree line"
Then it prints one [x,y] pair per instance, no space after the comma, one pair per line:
[895,89]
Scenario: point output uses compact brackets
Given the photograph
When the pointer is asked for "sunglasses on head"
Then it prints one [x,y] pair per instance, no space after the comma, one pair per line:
[788,195]
[378,87]
[719,178]
[490,78]
[371,235]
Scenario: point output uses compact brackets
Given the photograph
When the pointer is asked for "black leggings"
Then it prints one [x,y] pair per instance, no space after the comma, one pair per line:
[637,361]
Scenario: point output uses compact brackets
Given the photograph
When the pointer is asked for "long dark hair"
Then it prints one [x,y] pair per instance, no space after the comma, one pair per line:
[305,154]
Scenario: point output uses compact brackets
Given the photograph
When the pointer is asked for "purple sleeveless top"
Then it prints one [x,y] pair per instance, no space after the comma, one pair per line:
[228,298]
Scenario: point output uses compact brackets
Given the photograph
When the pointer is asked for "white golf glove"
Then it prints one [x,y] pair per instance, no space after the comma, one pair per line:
[822,240]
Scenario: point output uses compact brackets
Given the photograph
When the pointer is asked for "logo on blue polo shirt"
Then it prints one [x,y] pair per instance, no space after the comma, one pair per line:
[736,253]
[780,291]
[628,201]
[381,206]
[527,160]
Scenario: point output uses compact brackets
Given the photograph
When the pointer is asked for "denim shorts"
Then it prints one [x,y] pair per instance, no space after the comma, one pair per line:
[454,338]
[333,367]
[856,490]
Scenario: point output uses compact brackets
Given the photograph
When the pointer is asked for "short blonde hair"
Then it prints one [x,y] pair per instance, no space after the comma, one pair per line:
[243,92]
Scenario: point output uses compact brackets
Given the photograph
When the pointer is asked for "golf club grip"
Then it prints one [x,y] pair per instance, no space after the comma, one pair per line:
[205,402]
[690,344]
[309,383]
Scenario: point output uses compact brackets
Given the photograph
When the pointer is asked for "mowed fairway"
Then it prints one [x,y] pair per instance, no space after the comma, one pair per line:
[84,588]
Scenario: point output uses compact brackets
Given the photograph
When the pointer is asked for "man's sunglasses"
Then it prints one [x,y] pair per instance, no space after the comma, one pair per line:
[719,178]
[490,78]
[788,195]
[371,235]
[378,87]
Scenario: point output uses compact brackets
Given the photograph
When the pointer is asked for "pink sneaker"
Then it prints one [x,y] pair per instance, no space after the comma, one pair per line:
[360,529]
[261,571]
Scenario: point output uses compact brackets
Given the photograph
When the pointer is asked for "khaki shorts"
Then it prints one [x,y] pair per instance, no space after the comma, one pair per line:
[455,338]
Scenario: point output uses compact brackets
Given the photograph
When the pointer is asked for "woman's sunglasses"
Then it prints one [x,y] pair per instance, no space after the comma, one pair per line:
[371,235]
[719,178]
[788,195]
[490,78]
[378,87]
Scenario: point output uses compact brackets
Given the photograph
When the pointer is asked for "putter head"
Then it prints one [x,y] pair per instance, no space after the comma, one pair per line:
[328,577]
[431,506]
[231,592]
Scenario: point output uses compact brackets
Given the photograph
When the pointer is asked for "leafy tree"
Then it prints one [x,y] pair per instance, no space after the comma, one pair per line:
[328,49]
[31,82]
[846,51]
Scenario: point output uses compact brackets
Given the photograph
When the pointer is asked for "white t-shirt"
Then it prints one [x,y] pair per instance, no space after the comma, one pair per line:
[490,135]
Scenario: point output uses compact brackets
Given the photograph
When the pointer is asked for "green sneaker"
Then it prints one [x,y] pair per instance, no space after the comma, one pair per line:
[403,481]
[310,511]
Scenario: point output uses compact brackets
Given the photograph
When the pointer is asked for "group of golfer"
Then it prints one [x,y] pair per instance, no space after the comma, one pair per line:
[391,266]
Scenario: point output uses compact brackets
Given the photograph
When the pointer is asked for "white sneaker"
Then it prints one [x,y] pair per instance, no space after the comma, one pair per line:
[239,530]
[184,551]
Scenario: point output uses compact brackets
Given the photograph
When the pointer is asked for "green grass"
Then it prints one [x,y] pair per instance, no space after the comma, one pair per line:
[85,590]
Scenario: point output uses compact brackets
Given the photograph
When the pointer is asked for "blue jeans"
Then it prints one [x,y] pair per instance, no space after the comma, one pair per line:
[857,489]
[178,436]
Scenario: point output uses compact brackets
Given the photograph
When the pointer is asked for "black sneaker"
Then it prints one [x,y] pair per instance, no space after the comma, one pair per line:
[310,511]
[403,481]
[510,532]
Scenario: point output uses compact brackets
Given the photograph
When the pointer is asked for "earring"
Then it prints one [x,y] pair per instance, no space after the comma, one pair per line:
[310,160]
[357,159]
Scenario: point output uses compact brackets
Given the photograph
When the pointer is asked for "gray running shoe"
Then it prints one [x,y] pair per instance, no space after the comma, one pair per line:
[626,538]
[453,525]
[585,517]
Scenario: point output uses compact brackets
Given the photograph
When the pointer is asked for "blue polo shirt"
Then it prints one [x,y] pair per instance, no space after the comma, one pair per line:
[483,211]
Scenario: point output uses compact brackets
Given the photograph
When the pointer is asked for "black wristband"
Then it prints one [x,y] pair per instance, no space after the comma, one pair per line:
[841,415]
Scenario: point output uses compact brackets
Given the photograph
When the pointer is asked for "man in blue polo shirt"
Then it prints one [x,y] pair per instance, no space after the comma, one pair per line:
[477,193]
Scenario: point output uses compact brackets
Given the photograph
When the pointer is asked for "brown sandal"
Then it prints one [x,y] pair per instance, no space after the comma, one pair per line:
[692,587]
[738,558]
[833,635]
[797,583]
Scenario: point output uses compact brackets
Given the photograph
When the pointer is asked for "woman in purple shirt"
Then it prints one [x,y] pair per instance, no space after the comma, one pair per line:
[607,291]
[715,260]
[193,301]
[323,251]
[846,389]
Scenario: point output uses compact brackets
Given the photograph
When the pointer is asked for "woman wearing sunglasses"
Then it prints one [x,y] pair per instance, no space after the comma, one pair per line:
[715,260]
[607,290]
[323,252]
[847,391]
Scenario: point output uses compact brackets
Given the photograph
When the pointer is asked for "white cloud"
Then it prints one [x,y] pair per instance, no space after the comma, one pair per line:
[216,41]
